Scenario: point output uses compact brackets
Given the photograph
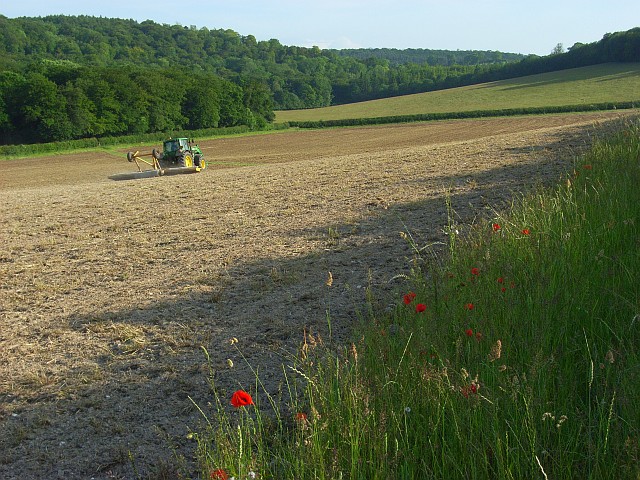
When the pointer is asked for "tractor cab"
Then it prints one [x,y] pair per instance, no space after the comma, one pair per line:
[173,145]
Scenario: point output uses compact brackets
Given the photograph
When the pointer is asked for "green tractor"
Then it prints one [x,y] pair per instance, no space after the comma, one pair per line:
[180,152]
[179,155]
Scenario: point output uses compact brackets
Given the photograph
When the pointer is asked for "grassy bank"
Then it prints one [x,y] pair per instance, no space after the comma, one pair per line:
[517,357]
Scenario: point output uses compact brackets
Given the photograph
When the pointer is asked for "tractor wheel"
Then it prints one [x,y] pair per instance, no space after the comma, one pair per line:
[198,161]
[186,160]
[203,164]
[130,156]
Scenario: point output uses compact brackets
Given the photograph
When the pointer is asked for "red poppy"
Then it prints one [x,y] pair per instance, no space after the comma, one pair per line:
[474,388]
[526,231]
[469,332]
[240,398]
[587,167]
[503,289]
[500,280]
[421,307]
[408,298]
[496,227]
[475,271]
[218,474]
[478,336]
[301,417]
[469,306]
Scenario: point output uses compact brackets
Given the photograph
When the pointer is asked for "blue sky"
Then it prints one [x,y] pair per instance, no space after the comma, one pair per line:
[504,25]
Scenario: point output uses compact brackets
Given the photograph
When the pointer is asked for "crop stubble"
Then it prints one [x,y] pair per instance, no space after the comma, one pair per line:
[109,289]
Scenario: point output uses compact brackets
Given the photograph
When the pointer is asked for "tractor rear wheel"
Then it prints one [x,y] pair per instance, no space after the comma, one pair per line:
[186,160]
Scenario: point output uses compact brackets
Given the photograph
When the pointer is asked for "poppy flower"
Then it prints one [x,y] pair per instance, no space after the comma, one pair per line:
[301,417]
[218,474]
[500,280]
[240,398]
[469,306]
[496,227]
[474,388]
[408,298]
[421,307]
[469,332]
[475,271]
[526,231]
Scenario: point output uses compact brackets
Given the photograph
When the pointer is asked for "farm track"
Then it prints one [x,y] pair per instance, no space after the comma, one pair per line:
[109,289]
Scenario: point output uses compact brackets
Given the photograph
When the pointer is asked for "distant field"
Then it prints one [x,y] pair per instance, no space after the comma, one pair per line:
[611,82]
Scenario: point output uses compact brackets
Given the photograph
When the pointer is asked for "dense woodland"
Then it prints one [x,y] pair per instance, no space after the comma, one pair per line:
[66,77]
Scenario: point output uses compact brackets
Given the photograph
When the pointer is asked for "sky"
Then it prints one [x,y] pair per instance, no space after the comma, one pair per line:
[531,27]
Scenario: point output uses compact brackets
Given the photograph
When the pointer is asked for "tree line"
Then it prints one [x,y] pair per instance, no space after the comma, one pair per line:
[65,77]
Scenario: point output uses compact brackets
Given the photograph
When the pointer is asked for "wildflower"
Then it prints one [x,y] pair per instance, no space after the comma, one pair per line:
[469,306]
[526,231]
[407,410]
[240,398]
[587,167]
[469,332]
[561,420]
[503,289]
[478,336]
[496,227]
[301,417]
[496,351]
[500,280]
[472,388]
[475,271]
[421,307]
[408,298]
[218,474]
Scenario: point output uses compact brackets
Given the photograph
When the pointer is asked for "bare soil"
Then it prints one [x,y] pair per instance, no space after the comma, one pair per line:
[110,289]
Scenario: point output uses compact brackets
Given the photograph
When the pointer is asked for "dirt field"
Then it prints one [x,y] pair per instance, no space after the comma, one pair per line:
[109,289]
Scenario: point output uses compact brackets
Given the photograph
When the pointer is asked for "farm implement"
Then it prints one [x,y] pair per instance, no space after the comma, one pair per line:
[178,156]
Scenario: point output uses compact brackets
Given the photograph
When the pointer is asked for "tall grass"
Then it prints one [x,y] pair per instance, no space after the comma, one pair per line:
[514,357]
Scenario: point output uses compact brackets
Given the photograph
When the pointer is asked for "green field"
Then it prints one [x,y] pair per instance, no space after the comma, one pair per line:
[611,82]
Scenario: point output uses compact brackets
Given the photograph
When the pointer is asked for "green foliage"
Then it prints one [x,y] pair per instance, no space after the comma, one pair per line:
[58,101]
[296,77]
[103,76]
[516,357]
[431,57]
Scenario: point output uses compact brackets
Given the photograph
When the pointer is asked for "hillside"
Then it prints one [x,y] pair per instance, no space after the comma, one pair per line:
[612,82]
[66,78]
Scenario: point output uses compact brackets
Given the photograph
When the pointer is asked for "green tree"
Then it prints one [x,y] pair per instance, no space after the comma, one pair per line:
[43,109]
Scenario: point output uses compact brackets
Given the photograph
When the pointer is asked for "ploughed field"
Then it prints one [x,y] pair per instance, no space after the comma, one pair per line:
[110,289]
